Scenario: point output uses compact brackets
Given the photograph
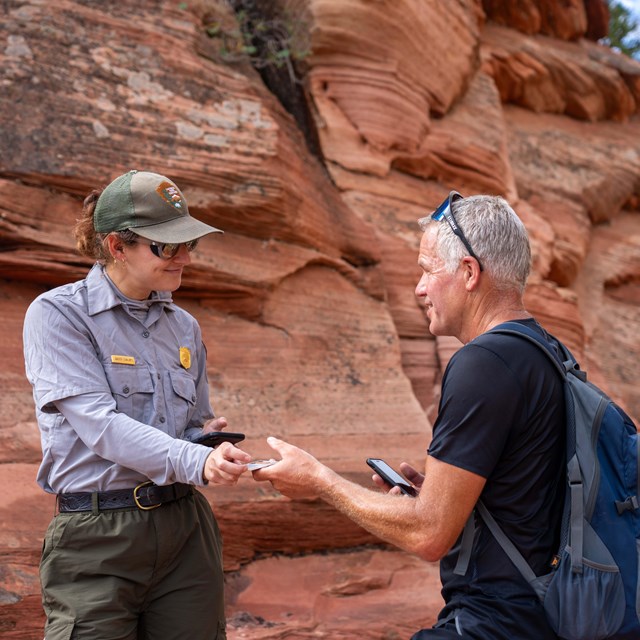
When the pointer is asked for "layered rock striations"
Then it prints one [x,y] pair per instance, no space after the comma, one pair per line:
[306,303]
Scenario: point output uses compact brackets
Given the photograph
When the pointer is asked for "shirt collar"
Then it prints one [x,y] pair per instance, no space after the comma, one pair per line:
[102,295]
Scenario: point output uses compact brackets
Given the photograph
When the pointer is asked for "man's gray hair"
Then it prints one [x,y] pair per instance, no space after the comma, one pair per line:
[496,234]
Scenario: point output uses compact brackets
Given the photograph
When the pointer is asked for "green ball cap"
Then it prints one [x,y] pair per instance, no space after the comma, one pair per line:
[149,204]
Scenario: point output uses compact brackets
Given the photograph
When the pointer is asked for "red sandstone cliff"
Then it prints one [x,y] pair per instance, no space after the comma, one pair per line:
[306,303]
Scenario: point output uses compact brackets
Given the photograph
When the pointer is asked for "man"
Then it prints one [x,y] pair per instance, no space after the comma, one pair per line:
[498,435]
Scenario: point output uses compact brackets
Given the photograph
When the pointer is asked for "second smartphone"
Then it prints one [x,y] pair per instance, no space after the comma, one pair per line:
[391,476]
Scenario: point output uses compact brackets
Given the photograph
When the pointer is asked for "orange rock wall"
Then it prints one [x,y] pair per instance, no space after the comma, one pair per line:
[306,303]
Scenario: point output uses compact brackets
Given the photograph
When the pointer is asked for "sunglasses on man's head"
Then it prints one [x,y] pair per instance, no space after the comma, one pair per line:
[445,211]
[167,250]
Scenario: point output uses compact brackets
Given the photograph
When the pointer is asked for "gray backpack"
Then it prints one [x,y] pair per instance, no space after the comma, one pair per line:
[592,590]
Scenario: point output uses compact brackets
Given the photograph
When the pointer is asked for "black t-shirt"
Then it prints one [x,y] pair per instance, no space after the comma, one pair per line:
[502,416]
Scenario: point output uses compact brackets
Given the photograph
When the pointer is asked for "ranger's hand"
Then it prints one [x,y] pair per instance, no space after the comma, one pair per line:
[225,464]
[216,424]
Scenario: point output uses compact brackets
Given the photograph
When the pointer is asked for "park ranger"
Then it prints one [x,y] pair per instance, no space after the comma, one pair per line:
[120,387]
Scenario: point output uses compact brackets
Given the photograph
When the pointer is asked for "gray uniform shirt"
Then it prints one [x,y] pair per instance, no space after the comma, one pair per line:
[117,392]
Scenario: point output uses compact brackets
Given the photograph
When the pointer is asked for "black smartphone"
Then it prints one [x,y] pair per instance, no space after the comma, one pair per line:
[214,438]
[390,476]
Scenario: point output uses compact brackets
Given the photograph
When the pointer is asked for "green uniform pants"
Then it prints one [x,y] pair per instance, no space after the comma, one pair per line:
[129,574]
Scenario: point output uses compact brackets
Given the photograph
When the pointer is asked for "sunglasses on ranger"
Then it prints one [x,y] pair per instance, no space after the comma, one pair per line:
[166,250]
[445,211]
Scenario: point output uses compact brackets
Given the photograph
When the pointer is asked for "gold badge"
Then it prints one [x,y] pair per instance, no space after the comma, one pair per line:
[123,360]
[185,357]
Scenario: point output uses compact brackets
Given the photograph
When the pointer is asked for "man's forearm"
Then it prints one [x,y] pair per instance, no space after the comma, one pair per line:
[392,518]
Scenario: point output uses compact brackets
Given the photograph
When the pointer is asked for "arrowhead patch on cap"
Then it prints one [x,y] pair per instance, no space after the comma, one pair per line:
[170,194]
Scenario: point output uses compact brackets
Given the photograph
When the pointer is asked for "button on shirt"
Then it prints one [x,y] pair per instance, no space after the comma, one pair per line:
[118,388]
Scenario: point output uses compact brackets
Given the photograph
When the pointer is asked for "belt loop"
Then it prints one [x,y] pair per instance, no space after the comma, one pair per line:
[95,509]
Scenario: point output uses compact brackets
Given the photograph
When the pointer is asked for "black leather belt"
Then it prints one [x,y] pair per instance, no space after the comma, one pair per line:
[145,496]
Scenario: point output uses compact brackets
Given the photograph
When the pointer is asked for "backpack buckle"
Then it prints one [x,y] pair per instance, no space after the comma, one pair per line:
[630,504]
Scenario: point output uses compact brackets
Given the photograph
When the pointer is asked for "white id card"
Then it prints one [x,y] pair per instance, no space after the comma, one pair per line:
[260,464]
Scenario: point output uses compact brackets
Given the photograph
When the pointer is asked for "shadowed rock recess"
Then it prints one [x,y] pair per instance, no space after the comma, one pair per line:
[306,303]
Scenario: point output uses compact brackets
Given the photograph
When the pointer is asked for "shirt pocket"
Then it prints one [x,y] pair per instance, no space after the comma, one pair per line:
[183,403]
[132,389]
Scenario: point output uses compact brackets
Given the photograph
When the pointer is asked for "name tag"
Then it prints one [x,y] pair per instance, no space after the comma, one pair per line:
[123,359]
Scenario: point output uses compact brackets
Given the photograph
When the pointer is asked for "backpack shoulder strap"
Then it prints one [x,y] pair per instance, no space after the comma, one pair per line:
[564,362]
